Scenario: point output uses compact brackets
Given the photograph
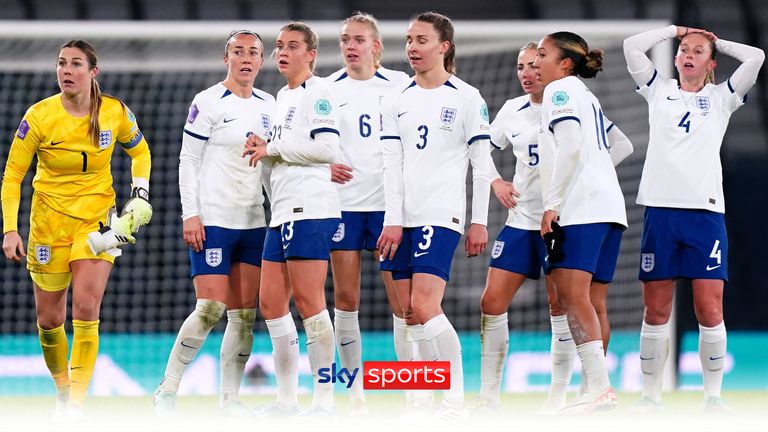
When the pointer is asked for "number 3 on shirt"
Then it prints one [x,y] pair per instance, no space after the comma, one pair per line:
[423,131]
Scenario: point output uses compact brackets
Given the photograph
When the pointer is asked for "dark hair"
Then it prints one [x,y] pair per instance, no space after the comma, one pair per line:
[234,33]
[586,63]
[310,37]
[444,28]
[96,94]
[368,19]
[710,78]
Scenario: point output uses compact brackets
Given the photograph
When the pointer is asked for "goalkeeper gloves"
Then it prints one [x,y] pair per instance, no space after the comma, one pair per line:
[137,209]
[110,237]
[554,243]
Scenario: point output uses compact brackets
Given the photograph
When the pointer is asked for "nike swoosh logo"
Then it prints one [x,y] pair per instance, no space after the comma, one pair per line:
[341,105]
[716,358]
[670,98]
[53,143]
[229,120]
[402,114]
[710,268]
[516,134]
[647,358]
[285,246]
[418,254]
[186,346]
[75,367]
[564,340]
[346,343]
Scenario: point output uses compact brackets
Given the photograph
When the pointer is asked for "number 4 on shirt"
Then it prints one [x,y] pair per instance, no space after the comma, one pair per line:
[685,122]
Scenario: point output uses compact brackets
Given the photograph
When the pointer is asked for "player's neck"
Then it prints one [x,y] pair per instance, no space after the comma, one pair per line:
[361,74]
[77,105]
[242,90]
[692,86]
[433,78]
[298,79]
[536,97]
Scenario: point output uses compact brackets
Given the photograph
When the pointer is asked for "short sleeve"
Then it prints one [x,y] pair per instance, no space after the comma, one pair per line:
[321,110]
[199,119]
[476,119]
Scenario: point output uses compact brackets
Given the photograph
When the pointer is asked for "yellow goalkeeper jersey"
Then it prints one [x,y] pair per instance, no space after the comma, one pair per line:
[73,174]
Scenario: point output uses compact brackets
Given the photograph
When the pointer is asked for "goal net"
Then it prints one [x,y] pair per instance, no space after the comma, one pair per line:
[157,67]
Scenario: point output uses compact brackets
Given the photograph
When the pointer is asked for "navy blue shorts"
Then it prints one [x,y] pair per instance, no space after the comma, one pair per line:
[593,248]
[683,243]
[358,231]
[519,251]
[426,249]
[223,246]
[302,239]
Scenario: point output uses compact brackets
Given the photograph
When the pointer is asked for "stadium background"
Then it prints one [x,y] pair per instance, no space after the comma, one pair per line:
[150,292]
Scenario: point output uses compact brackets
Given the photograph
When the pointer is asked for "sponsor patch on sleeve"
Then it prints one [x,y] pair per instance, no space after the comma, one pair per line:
[193,112]
[560,98]
[23,129]
[323,107]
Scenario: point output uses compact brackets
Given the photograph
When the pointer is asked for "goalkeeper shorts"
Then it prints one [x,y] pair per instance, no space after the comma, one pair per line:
[57,239]
[223,246]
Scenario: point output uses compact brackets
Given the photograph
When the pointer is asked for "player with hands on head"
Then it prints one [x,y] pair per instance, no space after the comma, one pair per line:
[433,129]
[581,191]
[684,233]
[224,221]
[303,142]
[73,135]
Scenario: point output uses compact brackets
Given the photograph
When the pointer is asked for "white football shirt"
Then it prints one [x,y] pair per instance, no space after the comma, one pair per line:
[682,166]
[215,180]
[589,191]
[300,180]
[360,127]
[427,134]
[517,124]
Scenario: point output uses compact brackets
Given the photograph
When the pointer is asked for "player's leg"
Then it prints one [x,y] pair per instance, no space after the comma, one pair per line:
[89,281]
[562,352]
[708,305]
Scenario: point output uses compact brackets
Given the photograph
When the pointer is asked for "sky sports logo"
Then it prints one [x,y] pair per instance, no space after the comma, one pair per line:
[392,375]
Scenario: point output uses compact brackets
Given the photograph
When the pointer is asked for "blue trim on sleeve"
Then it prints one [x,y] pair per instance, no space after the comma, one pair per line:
[321,130]
[134,142]
[610,127]
[730,87]
[558,120]
[226,93]
[413,83]
[389,137]
[655,72]
[344,75]
[450,84]
[478,138]
[253,92]
[527,104]
[377,74]
[497,147]
[194,135]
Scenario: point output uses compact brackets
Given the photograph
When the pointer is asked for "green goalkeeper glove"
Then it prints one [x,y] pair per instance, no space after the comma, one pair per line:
[139,208]
[110,237]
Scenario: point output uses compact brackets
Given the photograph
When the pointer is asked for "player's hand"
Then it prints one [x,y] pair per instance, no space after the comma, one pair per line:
[683,31]
[13,246]
[546,221]
[389,240]
[139,208]
[477,240]
[506,193]
[194,233]
[341,173]
[256,148]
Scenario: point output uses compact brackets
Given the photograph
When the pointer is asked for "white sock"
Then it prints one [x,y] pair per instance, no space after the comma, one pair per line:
[191,336]
[712,350]
[448,348]
[400,335]
[593,366]
[285,353]
[494,344]
[563,354]
[419,348]
[349,344]
[236,349]
[654,350]
[321,350]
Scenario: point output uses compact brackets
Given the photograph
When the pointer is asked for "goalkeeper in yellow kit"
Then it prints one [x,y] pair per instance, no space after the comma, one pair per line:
[73,134]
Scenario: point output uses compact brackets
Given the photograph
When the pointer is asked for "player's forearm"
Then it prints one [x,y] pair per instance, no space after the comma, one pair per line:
[635,47]
[482,161]
[393,182]
[141,160]
[751,59]
[621,146]
[481,195]
[323,149]
[11,197]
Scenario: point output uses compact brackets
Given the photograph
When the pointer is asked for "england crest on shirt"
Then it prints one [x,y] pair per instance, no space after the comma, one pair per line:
[448,116]
[213,257]
[498,248]
[265,121]
[647,262]
[43,254]
[702,103]
[105,139]
[289,115]
[339,234]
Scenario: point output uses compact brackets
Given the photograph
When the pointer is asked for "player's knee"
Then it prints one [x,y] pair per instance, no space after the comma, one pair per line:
[491,306]
[51,319]
[209,312]
[86,307]
[656,316]
[708,315]
[346,301]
